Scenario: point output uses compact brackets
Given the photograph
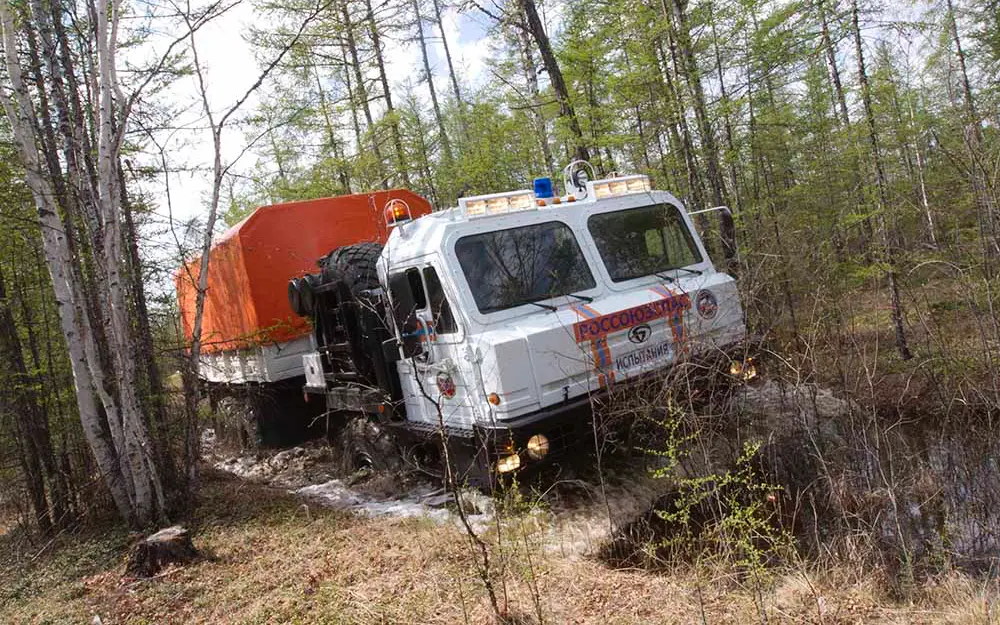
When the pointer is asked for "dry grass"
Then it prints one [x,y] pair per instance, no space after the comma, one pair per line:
[272,559]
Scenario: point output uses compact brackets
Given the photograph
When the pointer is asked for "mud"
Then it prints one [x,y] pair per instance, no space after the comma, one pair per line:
[824,455]
[312,471]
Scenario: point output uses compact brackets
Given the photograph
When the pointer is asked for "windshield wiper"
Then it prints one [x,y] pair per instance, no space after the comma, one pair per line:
[582,298]
[695,272]
[666,278]
[548,307]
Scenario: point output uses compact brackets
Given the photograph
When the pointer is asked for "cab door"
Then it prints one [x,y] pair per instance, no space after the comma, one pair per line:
[430,339]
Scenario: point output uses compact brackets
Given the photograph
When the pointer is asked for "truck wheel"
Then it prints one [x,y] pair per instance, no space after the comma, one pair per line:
[307,294]
[301,296]
[354,265]
[352,269]
[366,445]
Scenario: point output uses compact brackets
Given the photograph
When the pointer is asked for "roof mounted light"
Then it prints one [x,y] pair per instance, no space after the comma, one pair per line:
[624,185]
[497,203]
[397,212]
[543,188]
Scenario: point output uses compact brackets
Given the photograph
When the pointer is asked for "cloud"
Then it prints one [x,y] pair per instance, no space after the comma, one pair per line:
[468,42]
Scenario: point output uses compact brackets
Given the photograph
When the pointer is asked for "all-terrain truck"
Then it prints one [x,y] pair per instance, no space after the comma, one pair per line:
[492,324]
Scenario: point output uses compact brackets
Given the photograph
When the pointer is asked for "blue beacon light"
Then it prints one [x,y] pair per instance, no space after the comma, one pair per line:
[543,188]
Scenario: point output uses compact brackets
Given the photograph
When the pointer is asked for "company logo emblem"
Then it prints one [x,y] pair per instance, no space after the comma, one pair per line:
[446,385]
[707,305]
[639,334]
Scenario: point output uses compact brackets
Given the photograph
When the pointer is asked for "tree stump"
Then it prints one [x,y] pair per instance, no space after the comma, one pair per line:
[170,545]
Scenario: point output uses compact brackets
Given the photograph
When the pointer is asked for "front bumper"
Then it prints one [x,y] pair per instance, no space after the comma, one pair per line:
[566,425]
[562,425]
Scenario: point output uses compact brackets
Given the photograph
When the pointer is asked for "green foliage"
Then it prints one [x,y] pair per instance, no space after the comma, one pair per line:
[730,515]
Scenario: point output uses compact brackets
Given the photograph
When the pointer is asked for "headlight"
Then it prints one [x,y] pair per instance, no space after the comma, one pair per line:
[538,446]
[509,463]
[745,371]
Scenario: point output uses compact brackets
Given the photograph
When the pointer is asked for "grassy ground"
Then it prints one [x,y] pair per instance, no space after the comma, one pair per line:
[273,559]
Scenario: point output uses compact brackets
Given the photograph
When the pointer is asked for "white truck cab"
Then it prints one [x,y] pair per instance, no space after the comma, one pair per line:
[510,310]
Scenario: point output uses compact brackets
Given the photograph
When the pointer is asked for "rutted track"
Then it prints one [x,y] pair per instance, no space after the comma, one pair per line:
[574,512]
[310,471]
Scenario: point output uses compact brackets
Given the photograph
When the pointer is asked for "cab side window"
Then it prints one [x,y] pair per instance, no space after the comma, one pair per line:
[408,296]
[444,320]
[417,288]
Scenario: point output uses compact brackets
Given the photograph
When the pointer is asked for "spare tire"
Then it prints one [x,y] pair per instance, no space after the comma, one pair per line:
[346,273]
[295,297]
[354,265]
[307,293]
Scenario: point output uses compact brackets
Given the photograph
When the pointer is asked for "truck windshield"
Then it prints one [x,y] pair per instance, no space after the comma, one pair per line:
[643,241]
[508,268]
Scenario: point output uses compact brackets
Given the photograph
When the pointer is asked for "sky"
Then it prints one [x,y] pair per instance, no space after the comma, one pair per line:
[231,68]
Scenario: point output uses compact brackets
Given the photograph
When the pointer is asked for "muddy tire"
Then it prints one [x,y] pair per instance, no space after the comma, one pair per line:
[364,445]
[295,297]
[273,415]
[350,271]
[302,295]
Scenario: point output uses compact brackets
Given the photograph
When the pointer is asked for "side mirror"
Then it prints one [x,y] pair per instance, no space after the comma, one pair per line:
[390,351]
[412,345]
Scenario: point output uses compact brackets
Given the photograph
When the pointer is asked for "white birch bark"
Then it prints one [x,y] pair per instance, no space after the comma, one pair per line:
[19,110]
[138,444]
[73,134]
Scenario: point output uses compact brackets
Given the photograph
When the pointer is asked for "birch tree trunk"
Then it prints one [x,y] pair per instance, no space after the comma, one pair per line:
[361,91]
[979,172]
[352,101]
[150,502]
[726,118]
[671,81]
[390,111]
[20,112]
[331,133]
[456,90]
[831,60]
[689,66]
[429,77]
[534,110]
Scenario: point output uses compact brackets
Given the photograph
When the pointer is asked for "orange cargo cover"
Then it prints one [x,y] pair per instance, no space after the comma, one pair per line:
[250,265]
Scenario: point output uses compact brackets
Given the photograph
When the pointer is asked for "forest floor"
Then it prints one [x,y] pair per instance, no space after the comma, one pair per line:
[274,557]
[285,539]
